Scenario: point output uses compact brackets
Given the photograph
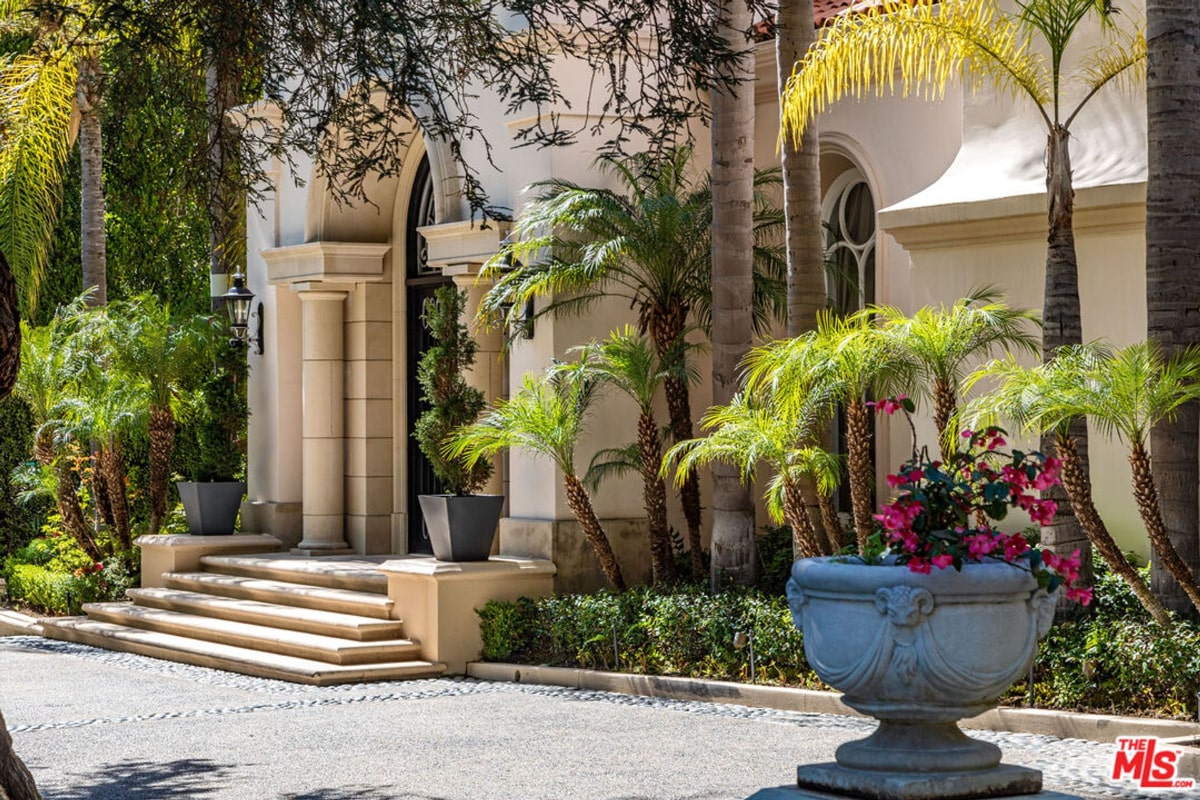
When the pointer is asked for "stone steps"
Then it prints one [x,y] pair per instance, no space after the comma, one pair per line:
[311,620]
[231,658]
[344,601]
[255,637]
[338,572]
[296,618]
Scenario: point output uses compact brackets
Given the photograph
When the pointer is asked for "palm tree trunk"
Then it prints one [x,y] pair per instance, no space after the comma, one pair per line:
[102,497]
[581,506]
[112,461]
[654,495]
[162,440]
[666,330]
[10,330]
[1146,495]
[733,546]
[858,457]
[1063,325]
[831,520]
[805,543]
[795,32]
[1173,263]
[944,405]
[88,93]
[1079,489]
[71,511]
[16,783]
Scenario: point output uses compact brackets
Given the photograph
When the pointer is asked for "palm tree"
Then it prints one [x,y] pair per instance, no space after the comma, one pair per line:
[1032,398]
[648,243]
[44,383]
[546,417]
[628,362]
[1173,259]
[939,343]
[846,360]
[754,428]
[926,43]
[154,350]
[10,329]
[733,546]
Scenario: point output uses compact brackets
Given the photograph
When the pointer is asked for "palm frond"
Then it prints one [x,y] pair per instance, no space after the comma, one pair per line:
[612,462]
[1121,61]
[923,45]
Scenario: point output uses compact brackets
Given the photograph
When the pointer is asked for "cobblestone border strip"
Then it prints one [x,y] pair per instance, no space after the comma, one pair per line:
[1058,724]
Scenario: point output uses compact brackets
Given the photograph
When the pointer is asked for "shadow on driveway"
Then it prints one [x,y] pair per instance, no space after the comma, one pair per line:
[145,780]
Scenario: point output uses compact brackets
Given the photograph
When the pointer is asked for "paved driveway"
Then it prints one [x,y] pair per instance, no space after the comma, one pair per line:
[97,725]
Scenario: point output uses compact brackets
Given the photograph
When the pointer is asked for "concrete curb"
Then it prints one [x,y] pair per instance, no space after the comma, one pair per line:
[14,623]
[1061,724]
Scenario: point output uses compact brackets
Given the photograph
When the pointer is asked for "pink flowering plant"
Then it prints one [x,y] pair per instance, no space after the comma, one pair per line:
[943,514]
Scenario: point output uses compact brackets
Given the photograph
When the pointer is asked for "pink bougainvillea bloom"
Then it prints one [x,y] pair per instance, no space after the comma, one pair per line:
[919,565]
[943,561]
[997,441]
[895,480]
[1014,547]
[1080,594]
[1042,512]
[967,434]
[980,545]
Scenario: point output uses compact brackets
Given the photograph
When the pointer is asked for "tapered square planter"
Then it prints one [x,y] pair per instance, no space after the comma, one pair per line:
[461,528]
[211,506]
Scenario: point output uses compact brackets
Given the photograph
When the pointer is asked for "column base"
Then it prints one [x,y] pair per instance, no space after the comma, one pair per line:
[304,550]
[1004,780]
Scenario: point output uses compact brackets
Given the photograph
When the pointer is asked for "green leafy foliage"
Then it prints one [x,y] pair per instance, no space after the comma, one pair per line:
[452,402]
[52,574]
[678,632]
[210,444]
[19,522]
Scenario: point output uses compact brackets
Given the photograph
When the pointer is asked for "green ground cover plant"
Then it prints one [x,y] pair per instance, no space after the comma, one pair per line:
[53,575]
[1112,661]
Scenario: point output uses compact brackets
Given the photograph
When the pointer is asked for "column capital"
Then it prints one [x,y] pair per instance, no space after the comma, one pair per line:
[313,290]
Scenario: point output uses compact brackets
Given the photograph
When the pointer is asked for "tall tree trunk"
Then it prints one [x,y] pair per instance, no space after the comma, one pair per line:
[1063,325]
[88,94]
[667,328]
[112,461]
[654,495]
[1079,488]
[1146,495]
[733,546]
[795,32]
[581,506]
[858,457]
[15,781]
[831,520]
[1173,263]
[805,543]
[162,440]
[10,330]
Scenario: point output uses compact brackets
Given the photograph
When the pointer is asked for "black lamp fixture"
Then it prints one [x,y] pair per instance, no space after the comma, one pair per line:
[238,302]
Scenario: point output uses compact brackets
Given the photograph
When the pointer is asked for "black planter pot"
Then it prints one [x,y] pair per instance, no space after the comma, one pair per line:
[461,528]
[211,506]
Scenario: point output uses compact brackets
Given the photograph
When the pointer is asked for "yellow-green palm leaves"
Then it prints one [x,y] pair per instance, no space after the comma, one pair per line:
[918,48]
[35,113]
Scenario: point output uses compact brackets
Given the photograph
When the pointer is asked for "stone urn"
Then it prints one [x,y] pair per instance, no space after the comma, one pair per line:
[918,653]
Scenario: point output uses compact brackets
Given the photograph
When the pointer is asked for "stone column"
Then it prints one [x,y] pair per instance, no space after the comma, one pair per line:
[322,347]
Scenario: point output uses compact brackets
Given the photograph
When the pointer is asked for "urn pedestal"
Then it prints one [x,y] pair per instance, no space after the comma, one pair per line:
[918,653]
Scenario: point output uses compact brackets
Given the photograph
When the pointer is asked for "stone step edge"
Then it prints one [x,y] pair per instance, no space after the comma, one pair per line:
[283,593]
[298,571]
[212,655]
[295,644]
[257,612]
[1045,722]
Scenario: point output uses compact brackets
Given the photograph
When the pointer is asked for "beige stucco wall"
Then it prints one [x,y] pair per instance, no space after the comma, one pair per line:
[959,181]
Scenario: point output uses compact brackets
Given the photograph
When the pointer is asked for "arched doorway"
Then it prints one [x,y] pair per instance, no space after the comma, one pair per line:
[420,281]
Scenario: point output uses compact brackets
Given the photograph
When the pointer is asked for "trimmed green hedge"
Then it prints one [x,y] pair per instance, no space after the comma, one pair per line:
[51,574]
[683,632]
[1113,660]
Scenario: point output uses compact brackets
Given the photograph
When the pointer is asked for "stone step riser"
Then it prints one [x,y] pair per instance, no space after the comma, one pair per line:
[306,572]
[254,637]
[324,599]
[231,659]
[306,620]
